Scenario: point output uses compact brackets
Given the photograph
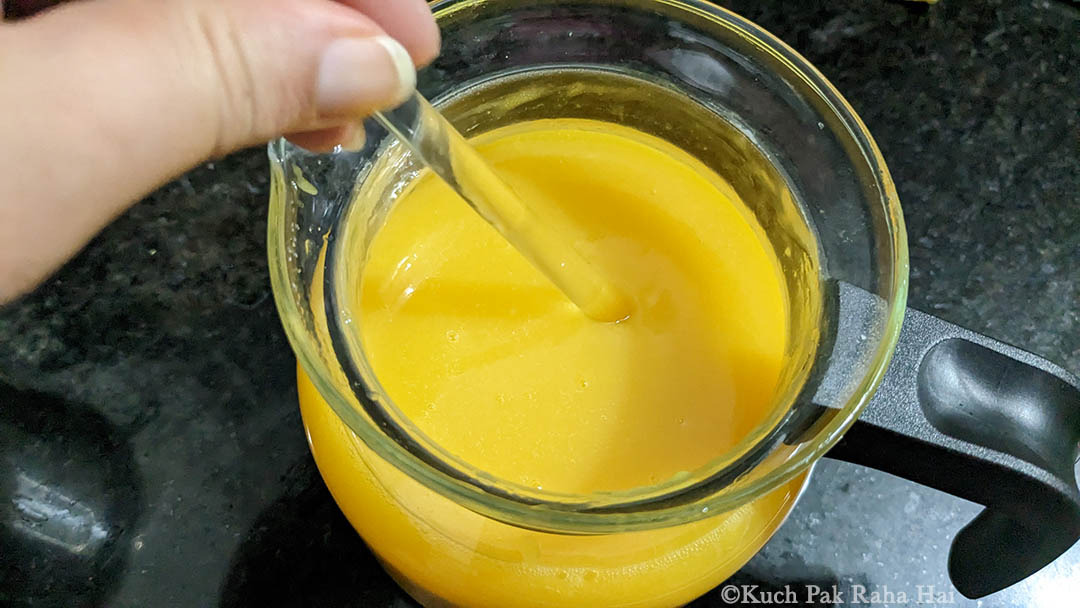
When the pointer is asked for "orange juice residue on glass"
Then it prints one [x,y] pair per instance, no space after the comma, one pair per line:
[494,364]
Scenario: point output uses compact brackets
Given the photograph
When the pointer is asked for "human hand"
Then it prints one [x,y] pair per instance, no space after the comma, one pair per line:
[103,100]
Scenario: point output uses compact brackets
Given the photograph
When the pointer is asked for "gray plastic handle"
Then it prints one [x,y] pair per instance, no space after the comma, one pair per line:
[982,420]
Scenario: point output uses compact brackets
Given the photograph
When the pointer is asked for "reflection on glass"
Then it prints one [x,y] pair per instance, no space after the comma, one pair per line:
[52,517]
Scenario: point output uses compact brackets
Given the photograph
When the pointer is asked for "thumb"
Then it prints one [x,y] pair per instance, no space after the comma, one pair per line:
[102,101]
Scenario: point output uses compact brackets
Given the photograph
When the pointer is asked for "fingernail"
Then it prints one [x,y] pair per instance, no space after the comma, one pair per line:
[355,138]
[361,75]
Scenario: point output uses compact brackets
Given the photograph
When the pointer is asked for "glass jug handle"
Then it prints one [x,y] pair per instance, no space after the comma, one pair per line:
[969,415]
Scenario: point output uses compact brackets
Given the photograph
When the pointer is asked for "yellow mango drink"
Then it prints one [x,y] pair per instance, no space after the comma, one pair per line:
[492,363]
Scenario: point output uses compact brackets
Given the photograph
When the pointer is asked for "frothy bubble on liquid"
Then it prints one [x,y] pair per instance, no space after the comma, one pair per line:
[452,336]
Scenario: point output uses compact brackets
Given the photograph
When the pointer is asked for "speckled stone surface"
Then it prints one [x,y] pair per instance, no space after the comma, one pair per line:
[160,343]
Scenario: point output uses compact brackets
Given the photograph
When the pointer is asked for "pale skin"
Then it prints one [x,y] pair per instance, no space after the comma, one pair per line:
[101,101]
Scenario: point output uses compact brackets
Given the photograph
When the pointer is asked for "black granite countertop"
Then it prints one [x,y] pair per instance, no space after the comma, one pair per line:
[158,372]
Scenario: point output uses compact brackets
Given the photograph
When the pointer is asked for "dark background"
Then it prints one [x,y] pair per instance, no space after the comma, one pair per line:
[156,383]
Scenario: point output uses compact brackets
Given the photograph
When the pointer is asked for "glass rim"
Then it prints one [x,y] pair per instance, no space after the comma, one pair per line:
[580,516]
